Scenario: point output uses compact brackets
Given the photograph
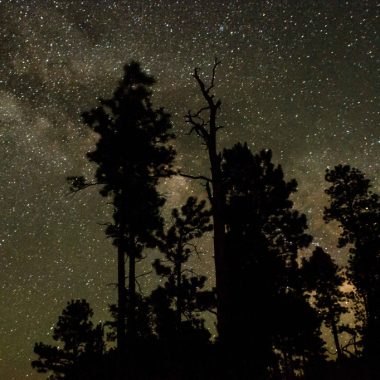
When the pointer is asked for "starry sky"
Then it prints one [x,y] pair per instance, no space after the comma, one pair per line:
[299,77]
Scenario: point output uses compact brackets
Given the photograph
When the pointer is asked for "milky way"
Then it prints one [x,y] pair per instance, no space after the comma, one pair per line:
[296,77]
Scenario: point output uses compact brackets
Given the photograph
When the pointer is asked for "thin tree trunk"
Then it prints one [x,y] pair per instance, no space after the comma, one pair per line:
[178,269]
[219,239]
[121,304]
[335,334]
[207,132]
[131,320]
[121,293]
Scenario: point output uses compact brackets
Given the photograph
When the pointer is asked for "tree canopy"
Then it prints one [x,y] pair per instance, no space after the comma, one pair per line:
[273,295]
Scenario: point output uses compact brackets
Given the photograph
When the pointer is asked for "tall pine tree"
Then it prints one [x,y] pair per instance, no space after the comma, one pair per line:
[357,210]
[263,236]
[322,276]
[80,345]
[131,154]
[182,286]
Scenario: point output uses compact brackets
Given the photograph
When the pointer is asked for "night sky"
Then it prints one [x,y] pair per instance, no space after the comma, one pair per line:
[296,77]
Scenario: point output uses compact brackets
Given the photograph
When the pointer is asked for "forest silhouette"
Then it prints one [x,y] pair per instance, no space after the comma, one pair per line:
[271,303]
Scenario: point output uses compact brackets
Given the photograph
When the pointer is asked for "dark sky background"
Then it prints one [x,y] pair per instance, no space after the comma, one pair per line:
[299,77]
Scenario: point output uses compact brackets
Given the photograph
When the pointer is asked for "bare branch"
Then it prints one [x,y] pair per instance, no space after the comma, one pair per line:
[138,285]
[195,177]
[144,274]
[107,224]
[209,193]
[216,64]
[212,311]
[206,91]
[140,275]
[194,247]
[199,126]
[190,271]
[197,114]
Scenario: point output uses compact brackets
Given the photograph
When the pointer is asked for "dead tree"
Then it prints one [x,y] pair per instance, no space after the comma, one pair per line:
[204,124]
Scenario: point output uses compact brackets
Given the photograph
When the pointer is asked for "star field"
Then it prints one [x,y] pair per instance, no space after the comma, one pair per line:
[300,78]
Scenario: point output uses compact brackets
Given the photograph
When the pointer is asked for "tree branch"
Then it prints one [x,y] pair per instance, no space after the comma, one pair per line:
[144,274]
[216,64]
[209,193]
[79,183]
[212,311]
[202,177]
[205,129]
[194,247]
[197,126]
[206,91]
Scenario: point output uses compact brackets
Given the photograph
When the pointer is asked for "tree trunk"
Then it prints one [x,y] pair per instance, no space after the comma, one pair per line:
[131,320]
[217,201]
[121,304]
[121,293]
[207,131]
[178,269]
[335,334]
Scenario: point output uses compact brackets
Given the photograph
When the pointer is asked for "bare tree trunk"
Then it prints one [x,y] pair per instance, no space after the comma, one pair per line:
[177,270]
[221,274]
[131,320]
[335,334]
[121,293]
[121,304]
[207,131]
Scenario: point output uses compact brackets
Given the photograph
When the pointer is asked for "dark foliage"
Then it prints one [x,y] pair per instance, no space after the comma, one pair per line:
[322,277]
[182,286]
[80,345]
[263,236]
[131,154]
[178,303]
[269,307]
[357,209]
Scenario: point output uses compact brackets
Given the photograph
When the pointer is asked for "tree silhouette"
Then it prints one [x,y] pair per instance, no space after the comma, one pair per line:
[263,236]
[178,302]
[144,320]
[357,209]
[296,329]
[206,128]
[80,345]
[323,277]
[132,153]
[182,285]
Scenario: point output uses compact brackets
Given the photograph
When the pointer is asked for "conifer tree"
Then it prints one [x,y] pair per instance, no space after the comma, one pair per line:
[263,236]
[182,292]
[80,344]
[131,154]
[357,210]
[323,277]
